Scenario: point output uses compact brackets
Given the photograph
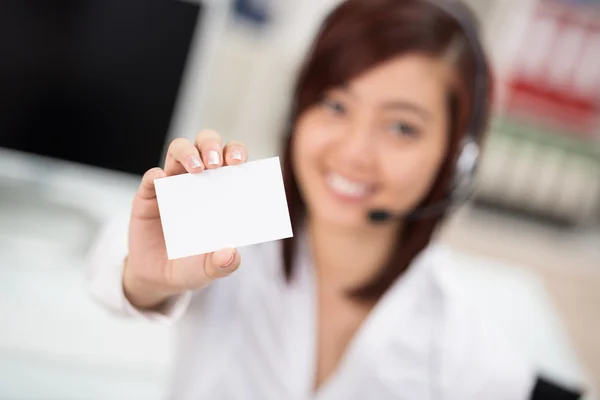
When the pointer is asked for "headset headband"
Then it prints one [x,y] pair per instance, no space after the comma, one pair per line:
[481,84]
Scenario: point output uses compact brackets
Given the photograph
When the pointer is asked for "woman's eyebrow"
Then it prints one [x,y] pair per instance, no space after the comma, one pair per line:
[408,106]
[400,104]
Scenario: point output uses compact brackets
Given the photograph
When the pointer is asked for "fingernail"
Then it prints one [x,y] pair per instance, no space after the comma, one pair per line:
[237,155]
[228,263]
[195,162]
[213,158]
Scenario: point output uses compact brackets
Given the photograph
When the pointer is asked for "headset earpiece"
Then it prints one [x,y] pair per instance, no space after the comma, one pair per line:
[465,170]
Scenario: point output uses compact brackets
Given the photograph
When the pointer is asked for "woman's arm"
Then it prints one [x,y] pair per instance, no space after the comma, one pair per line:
[128,269]
[105,269]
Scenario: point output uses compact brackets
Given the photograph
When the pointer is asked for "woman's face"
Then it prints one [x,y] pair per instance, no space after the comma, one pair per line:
[376,143]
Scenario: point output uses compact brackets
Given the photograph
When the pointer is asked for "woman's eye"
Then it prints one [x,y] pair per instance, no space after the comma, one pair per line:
[336,106]
[404,129]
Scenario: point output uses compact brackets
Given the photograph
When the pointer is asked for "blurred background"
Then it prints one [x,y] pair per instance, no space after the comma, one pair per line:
[92,90]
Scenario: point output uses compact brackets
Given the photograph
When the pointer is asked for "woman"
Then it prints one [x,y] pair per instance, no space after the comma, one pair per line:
[347,309]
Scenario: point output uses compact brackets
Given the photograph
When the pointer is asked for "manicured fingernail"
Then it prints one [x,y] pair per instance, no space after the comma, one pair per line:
[213,158]
[228,263]
[195,162]
[237,155]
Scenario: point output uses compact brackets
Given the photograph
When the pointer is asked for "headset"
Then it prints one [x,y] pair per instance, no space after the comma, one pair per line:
[468,159]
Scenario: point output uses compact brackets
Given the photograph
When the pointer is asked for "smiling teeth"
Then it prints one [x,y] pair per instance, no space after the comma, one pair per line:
[347,187]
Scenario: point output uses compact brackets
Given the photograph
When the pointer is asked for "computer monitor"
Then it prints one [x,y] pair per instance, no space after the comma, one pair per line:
[91,93]
[102,83]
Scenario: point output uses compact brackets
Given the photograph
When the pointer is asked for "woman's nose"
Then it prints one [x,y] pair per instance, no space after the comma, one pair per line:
[357,146]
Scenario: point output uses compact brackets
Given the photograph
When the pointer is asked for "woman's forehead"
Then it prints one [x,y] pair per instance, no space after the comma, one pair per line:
[412,76]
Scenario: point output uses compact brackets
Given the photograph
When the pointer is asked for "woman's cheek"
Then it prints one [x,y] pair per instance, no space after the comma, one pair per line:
[411,180]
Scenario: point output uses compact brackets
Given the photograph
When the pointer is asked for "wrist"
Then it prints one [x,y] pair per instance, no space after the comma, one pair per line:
[141,293]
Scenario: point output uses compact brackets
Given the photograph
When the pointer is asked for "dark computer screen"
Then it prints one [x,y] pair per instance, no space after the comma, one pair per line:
[92,81]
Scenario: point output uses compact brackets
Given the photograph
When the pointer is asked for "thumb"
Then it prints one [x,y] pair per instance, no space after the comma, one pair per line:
[222,263]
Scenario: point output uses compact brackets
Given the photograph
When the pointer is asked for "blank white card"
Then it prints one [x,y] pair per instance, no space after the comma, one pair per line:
[231,206]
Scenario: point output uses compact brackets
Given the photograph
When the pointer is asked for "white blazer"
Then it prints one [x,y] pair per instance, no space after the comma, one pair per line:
[252,336]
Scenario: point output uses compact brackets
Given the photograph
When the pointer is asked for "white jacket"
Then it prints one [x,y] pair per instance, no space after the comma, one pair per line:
[252,336]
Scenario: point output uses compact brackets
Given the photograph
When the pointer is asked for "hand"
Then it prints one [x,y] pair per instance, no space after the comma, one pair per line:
[149,277]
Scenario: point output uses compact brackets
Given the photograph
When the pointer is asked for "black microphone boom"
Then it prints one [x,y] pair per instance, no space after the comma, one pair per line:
[380,216]
[420,213]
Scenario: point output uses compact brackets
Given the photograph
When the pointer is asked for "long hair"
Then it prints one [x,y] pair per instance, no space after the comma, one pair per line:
[354,37]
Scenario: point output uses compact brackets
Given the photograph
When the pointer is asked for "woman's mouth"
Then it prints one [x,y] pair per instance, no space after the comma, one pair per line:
[348,188]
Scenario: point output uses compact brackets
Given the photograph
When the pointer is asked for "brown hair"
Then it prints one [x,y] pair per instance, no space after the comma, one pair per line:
[356,36]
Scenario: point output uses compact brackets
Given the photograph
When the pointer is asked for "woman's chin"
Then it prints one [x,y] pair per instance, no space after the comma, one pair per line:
[342,217]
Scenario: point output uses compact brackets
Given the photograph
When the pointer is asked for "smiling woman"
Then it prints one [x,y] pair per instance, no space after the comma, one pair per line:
[347,308]
[381,109]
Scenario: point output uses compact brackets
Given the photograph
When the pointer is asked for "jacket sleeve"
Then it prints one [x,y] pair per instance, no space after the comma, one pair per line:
[104,277]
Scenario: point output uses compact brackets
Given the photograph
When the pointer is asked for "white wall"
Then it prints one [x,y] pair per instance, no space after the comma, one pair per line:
[250,92]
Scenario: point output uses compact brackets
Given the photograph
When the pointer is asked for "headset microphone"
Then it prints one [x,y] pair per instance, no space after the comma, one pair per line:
[382,216]
[378,216]
[460,191]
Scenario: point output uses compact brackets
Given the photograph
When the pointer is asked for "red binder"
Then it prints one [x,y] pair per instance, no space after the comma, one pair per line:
[556,75]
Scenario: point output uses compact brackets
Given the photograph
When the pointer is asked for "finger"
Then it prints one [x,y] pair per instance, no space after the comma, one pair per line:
[222,263]
[235,153]
[182,157]
[211,148]
[146,189]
